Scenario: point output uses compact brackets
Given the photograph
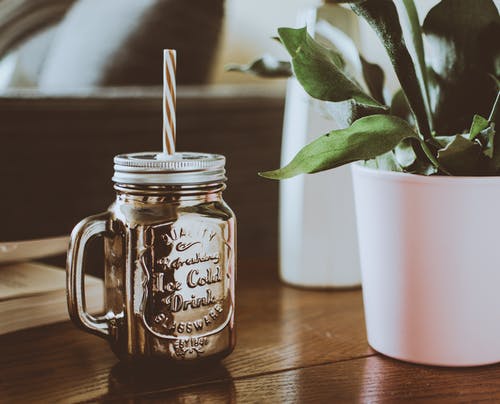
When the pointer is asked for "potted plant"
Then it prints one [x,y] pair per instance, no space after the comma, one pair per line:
[427,185]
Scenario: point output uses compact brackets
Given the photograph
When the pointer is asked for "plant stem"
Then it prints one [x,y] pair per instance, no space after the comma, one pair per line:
[494,109]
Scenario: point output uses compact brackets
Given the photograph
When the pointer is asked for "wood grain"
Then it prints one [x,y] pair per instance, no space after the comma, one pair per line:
[278,327]
[375,379]
[294,346]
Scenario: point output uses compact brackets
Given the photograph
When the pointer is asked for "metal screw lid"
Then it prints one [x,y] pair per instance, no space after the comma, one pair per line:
[181,168]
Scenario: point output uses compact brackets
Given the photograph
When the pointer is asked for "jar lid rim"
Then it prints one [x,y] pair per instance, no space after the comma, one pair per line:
[158,168]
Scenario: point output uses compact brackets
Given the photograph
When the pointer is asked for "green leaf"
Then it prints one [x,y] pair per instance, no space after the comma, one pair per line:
[408,158]
[332,37]
[345,113]
[374,78]
[267,66]
[413,24]
[405,154]
[365,139]
[494,141]
[400,106]
[356,67]
[478,124]
[386,162]
[460,156]
[320,70]
[462,40]
[422,168]
[343,1]
[483,130]
[383,18]
[487,139]
[487,134]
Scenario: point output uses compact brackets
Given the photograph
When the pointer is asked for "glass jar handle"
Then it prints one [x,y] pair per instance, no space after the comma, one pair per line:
[83,232]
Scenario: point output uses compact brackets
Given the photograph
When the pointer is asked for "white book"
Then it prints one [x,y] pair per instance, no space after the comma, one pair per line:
[33,294]
[27,250]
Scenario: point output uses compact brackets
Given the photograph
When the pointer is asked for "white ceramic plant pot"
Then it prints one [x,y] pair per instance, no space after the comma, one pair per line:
[430,262]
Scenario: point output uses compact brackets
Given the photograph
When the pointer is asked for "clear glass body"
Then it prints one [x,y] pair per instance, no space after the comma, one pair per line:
[170,272]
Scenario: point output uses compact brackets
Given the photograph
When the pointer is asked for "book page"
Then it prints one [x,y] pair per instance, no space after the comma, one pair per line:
[27,250]
[29,278]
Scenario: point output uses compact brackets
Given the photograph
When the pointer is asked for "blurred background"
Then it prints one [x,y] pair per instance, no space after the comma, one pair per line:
[63,45]
[80,81]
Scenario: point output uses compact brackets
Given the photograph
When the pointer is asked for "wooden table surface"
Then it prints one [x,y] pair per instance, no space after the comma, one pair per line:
[293,345]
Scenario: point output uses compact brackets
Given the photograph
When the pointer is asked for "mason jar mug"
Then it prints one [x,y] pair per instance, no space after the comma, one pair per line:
[170,260]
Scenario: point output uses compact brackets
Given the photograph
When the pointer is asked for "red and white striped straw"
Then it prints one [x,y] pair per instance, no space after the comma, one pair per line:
[169,100]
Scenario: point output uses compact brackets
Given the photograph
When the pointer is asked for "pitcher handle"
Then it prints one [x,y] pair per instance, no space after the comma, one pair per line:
[83,232]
